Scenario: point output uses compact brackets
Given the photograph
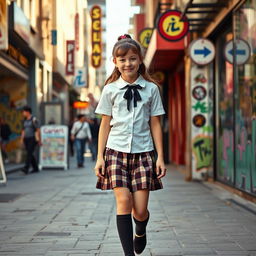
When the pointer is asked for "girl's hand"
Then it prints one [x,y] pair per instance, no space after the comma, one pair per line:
[100,168]
[160,169]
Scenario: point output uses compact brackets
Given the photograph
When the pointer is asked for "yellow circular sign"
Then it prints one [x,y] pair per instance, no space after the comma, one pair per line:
[145,36]
[172,25]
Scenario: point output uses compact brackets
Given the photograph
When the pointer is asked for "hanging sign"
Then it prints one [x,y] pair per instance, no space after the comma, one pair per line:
[80,78]
[81,104]
[242,51]
[202,51]
[54,149]
[70,57]
[171,27]
[3,25]
[96,36]
[54,37]
[145,36]
[77,31]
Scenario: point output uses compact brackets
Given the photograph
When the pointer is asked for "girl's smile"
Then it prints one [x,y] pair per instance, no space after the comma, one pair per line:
[128,66]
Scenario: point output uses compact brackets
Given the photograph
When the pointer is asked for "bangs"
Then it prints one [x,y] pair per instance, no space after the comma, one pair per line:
[124,48]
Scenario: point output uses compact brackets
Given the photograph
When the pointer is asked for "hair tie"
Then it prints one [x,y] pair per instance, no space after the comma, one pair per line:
[125,36]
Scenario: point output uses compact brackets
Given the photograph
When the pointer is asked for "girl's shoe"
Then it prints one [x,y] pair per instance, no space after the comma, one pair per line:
[139,243]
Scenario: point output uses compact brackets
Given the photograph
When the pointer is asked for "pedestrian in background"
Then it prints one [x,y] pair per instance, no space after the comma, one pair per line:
[5,132]
[30,137]
[94,126]
[130,106]
[70,140]
[80,132]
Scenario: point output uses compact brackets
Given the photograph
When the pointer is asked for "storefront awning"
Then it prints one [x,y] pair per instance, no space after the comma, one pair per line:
[200,13]
[162,54]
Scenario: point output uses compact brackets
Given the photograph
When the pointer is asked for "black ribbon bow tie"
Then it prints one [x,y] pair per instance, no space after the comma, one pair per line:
[128,94]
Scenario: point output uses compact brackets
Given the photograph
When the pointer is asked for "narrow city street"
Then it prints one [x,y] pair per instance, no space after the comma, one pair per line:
[60,213]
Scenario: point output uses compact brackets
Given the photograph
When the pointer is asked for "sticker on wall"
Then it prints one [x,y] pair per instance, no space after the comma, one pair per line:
[199,120]
[242,52]
[199,92]
[200,78]
[171,27]
[202,51]
[145,36]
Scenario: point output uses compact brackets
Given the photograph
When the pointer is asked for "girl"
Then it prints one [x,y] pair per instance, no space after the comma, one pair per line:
[130,106]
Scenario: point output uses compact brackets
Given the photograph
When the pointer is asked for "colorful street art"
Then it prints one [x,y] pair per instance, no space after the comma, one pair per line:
[13,93]
[246,159]
[203,151]
[201,119]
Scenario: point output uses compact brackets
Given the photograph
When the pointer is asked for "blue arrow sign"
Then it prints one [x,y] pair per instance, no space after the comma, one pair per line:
[204,51]
[238,52]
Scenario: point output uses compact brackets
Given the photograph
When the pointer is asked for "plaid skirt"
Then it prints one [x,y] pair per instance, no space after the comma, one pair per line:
[133,171]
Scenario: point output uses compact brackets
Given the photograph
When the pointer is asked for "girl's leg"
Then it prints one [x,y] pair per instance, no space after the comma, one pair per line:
[141,217]
[124,219]
[140,204]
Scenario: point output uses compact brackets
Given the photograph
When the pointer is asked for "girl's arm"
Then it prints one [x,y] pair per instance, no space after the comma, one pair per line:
[156,132]
[102,141]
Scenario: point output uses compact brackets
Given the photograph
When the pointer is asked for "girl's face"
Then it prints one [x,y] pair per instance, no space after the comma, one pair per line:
[128,65]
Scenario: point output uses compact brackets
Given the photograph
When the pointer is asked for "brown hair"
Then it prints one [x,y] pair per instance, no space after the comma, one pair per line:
[121,47]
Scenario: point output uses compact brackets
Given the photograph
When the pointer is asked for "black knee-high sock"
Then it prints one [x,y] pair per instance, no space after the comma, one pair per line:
[125,231]
[140,228]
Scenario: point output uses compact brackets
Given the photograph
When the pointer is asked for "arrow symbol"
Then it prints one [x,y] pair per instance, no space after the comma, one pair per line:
[204,52]
[238,52]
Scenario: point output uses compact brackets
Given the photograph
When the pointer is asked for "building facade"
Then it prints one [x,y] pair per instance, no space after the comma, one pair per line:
[42,62]
[210,102]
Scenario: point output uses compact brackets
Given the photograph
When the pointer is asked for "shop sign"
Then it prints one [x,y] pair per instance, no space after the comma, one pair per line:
[96,36]
[21,23]
[81,104]
[3,25]
[202,51]
[171,27]
[77,31]
[242,51]
[70,57]
[145,36]
[17,55]
[54,37]
[80,78]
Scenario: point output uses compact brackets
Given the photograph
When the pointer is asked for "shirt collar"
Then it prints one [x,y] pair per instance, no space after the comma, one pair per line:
[121,83]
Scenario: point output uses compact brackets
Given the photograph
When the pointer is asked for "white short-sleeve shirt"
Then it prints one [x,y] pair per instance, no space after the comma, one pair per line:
[130,130]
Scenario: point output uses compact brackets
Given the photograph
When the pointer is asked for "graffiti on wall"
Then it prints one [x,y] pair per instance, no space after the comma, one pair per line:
[246,159]
[202,128]
[227,156]
[13,93]
[202,149]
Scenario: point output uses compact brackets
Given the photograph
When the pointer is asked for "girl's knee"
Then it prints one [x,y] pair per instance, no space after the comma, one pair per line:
[140,214]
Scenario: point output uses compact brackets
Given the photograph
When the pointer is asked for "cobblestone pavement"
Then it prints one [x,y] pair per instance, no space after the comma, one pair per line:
[60,213]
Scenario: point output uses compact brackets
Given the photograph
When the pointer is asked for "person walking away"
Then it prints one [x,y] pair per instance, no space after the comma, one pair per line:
[5,133]
[80,132]
[94,126]
[30,137]
[130,106]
